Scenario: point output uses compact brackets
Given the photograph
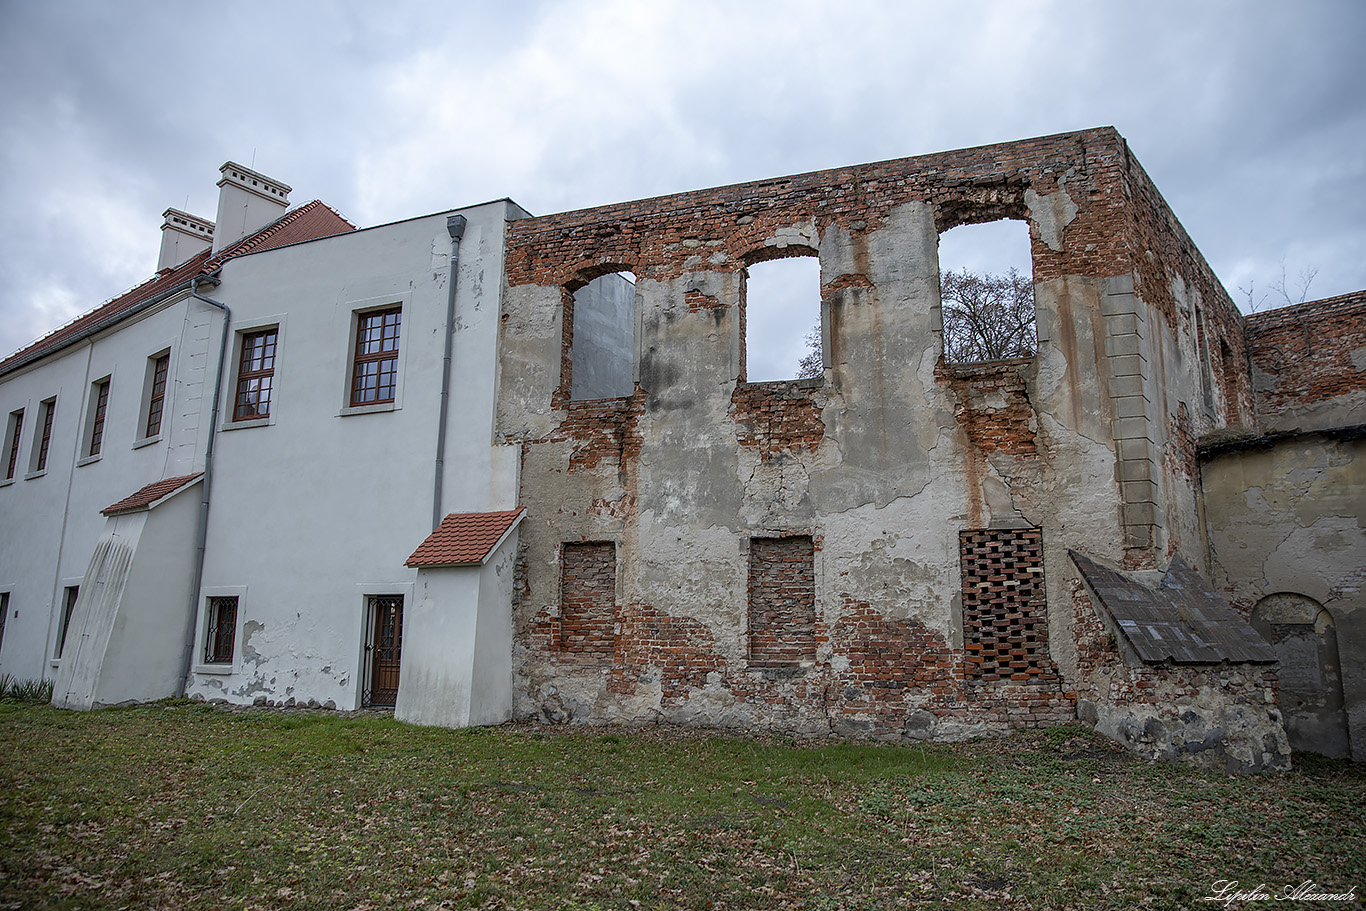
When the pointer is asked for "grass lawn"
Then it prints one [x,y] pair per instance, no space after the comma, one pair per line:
[191,806]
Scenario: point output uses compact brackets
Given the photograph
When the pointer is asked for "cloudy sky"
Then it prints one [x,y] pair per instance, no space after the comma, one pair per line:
[1250,116]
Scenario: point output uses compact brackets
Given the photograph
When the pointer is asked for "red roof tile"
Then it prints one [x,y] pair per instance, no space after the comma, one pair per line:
[308,222]
[150,495]
[464,539]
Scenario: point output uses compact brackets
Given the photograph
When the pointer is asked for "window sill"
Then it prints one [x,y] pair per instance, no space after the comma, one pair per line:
[89,460]
[778,671]
[247,423]
[35,474]
[147,441]
[219,669]
[349,410]
[6,482]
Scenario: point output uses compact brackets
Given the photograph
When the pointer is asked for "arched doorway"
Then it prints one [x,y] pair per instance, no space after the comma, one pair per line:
[1306,642]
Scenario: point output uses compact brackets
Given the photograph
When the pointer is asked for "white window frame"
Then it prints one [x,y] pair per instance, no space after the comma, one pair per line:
[225,668]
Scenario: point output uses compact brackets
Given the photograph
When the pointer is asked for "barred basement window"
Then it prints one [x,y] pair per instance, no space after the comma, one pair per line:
[374,375]
[12,434]
[1005,616]
[255,375]
[73,592]
[588,598]
[782,601]
[156,393]
[222,630]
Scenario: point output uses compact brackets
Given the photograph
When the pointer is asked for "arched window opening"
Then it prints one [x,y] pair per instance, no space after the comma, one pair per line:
[602,346]
[782,325]
[986,292]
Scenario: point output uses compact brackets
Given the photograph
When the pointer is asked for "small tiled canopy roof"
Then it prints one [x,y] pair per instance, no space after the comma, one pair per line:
[151,495]
[1181,621]
[465,539]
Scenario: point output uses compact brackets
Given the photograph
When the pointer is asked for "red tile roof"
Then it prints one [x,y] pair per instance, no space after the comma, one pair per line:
[464,539]
[150,495]
[308,222]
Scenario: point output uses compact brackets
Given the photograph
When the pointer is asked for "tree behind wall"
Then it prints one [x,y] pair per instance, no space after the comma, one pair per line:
[987,317]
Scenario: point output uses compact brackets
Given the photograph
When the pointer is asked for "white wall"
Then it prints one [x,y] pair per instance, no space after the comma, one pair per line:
[49,523]
[318,507]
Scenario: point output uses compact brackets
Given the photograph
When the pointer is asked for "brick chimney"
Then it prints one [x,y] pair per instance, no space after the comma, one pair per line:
[247,202]
[182,236]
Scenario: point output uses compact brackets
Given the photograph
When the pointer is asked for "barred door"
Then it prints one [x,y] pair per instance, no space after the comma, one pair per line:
[386,644]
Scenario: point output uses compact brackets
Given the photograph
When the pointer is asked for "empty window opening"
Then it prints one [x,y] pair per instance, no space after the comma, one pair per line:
[782,601]
[604,338]
[986,292]
[222,629]
[782,324]
[588,598]
[73,592]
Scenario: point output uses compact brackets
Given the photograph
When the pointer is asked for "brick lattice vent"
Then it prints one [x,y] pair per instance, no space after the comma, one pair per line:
[782,601]
[1005,616]
[588,596]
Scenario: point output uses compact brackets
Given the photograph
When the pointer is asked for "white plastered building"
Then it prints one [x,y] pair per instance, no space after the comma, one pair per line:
[218,475]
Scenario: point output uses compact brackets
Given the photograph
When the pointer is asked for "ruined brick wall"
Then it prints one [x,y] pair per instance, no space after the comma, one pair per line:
[1310,364]
[880,463]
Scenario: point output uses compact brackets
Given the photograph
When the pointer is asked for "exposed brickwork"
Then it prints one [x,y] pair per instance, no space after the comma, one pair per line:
[782,601]
[777,417]
[601,429]
[588,597]
[1005,618]
[656,238]
[992,405]
[680,651]
[1304,354]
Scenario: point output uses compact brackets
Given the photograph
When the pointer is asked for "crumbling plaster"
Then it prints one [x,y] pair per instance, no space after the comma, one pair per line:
[893,467]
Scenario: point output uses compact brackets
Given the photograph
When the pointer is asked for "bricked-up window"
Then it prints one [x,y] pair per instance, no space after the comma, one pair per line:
[43,442]
[986,292]
[13,431]
[255,375]
[99,399]
[782,319]
[374,376]
[1005,617]
[782,601]
[72,593]
[588,598]
[156,394]
[222,628]
[601,355]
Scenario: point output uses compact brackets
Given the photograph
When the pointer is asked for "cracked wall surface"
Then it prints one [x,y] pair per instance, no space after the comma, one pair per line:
[882,461]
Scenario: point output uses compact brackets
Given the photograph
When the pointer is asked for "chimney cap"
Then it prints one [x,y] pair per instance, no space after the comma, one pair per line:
[254,182]
[177,220]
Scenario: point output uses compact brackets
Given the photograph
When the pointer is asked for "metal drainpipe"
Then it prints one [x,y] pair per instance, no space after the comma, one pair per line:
[201,537]
[455,226]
